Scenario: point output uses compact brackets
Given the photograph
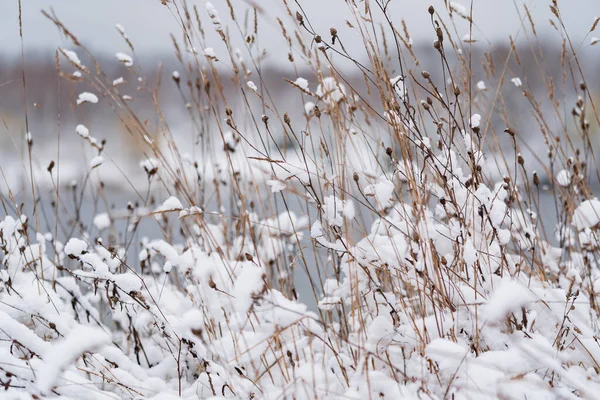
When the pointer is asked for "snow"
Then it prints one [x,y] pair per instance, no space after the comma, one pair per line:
[563,178]
[171,204]
[331,91]
[63,354]
[398,85]
[587,214]
[329,303]
[102,221]
[149,164]
[459,9]
[194,210]
[210,53]
[383,191]
[96,162]
[118,81]
[252,86]
[87,97]
[517,82]
[75,247]
[82,131]
[247,285]
[335,210]
[309,107]
[510,296]
[167,267]
[481,85]
[470,253]
[210,8]
[276,186]
[120,28]
[125,59]
[475,120]
[302,84]
[468,38]
[72,57]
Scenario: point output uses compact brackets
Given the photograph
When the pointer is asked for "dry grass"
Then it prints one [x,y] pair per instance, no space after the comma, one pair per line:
[405,258]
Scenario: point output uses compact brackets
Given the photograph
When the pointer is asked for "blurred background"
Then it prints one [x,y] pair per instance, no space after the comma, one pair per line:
[149,22]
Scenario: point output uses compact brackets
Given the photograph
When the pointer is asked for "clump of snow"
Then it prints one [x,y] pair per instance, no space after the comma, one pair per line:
[118,81]
[383,191]
[150,165]
[120,28]
[336,209]
[563,178]
[475,120]
[301,83]
[194,210]
[517,82]
[468,38]
[72,57]
[459,9]
[470,253]
[331,91]
[481,85]
[276,186]
[309,107]
[171,204]
[210,53]
[214,16]
[252,86]
[87,97]
[64,353]
[75,247]
[82,131]
[587,214]
[126,59]
[102,221]
[510,296]
[168,267]
[398,85]
[96,162]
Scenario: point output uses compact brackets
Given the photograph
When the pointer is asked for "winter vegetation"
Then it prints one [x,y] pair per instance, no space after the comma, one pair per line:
[403,236]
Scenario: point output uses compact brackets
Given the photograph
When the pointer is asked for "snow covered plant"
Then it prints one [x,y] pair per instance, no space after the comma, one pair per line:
[386,237]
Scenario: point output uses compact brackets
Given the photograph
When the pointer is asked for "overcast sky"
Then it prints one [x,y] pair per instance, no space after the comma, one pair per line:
[148,22]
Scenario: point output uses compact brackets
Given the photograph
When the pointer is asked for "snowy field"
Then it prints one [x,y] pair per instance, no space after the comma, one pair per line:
[283,200]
